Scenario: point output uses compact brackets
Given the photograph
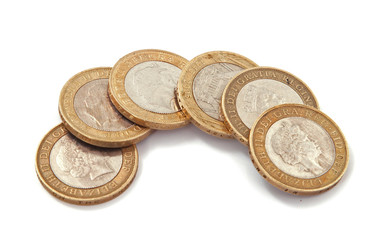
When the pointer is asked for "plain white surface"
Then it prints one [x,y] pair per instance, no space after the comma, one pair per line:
[191,185]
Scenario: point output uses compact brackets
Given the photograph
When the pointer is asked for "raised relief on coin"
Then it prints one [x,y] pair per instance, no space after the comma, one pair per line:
[142,86]
[83,166]
[201,85]
[300,147]
[209,85]
[93,106]
[151,85]
[260,95]
[79,173]
[88,113]
[256,90]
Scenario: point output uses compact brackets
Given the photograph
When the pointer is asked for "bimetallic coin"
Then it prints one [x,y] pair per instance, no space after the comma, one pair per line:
[142,87]
[298,149]
[255,90]
[201,85]
[87,112]
[82,174]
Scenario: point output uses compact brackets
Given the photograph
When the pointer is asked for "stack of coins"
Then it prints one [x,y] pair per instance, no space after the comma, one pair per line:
[91,157]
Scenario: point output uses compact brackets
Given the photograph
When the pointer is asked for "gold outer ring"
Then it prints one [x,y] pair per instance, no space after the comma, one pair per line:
[278,178]
[228,104]
[127,107]
[185,94]
[83,196]
[93,136]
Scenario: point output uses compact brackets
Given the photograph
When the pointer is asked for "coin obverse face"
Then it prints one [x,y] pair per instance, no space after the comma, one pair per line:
[142,87]
[94,107]
[298,149]
[79,173]
[151,85]
[82,166]
[254,91]
[201,85]
[87,112]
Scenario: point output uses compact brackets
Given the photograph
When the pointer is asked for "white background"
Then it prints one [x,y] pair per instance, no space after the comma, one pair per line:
[191,185]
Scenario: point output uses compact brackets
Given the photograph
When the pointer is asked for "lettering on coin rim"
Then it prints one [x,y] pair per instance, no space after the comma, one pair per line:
[83,196]
[80,129]
[185,89]
[129,108]
[228,104]
[287,182]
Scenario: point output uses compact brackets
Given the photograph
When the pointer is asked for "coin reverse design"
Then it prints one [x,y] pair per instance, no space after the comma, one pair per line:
[201,85]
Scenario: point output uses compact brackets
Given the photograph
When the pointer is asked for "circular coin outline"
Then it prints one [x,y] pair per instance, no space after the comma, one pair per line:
[285,182]
[228,103]
[83,196]
[127,107]
[93,136]
[186,97]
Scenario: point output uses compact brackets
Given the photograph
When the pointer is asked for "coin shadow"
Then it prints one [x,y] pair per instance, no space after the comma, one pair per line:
[162,138]
[100,206]
[240,154]
[185,136]
[222,144]
[157,140]
[313,200]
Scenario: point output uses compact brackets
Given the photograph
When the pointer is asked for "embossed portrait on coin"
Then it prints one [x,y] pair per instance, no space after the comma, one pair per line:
[93,106]
[151,85]
[80,165]
[300,147]
[209,84]
[260,95]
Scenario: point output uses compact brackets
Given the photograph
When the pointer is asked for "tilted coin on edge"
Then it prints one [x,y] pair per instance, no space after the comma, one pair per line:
[142,87]
[82,174]
[298,149]
[255,90]
[87,112]
[201,84]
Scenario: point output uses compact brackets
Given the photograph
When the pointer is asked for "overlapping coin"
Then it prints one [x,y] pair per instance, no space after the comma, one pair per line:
[142,87]
[201,84]
[82,174]
[255,90]
[87,112]
[91,158]
[298,149]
